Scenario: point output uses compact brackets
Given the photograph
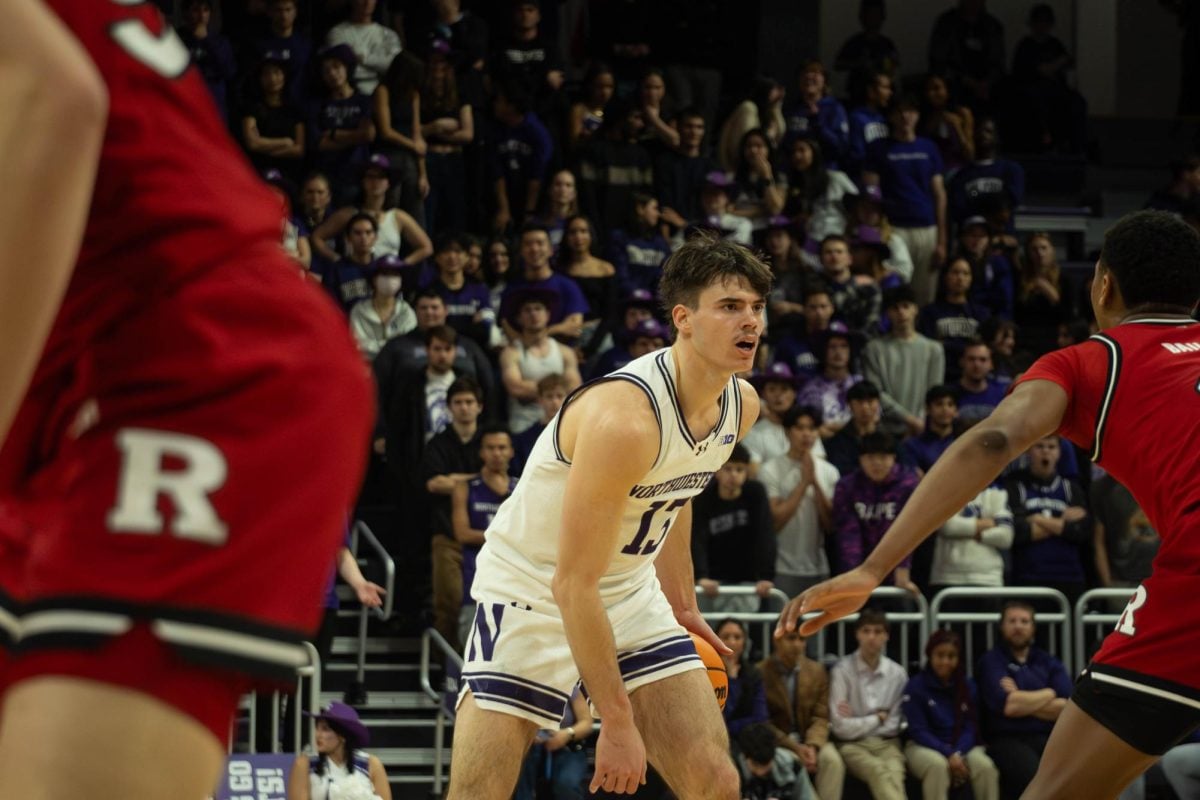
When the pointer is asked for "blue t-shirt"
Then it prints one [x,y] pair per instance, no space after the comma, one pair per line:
[638,260]
[973,184]
[977,405]
[1040,671]
[462,304]
[923,450]
[828,126]
[347,281]
[867,126]
[905,171]
[518,155]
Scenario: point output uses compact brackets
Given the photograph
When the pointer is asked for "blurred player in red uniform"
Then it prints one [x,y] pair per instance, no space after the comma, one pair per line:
[1130,395]
[185,419]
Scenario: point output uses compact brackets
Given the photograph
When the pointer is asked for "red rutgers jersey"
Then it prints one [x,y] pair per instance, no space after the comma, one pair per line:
[174,488]
[1135,405]
[172,187]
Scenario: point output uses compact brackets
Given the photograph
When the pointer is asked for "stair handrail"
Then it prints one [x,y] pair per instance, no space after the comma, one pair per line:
[428,639]
[363,531]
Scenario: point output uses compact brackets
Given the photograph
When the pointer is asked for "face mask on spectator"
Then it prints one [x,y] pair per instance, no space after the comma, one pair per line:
[387,285]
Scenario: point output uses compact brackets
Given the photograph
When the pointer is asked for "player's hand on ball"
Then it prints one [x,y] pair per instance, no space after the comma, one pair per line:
[620,759]
[834,598]
[693,622]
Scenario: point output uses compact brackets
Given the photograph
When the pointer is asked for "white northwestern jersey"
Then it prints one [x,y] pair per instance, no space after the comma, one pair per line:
[518,560]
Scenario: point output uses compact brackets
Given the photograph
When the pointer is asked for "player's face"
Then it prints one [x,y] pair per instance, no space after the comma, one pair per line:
[731,634]
[731,477]
[864,411]
[942,411]
[818,310]
[958,278]
[802,436]
[976,363]
[361,237]
[328,740]
[1017,628]
[535,248]
[452,259]
[496,450]
[871,640]
[835,258]
[943,660]
[1043,457]
[579,237]
[877,465]
[551,401]
[726,324]
[441,359]
[431,311]
[779,396]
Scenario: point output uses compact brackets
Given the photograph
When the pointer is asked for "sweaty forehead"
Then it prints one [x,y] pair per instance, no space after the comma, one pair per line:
[734,286]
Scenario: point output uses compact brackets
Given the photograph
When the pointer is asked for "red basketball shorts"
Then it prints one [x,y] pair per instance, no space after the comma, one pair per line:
[184,491]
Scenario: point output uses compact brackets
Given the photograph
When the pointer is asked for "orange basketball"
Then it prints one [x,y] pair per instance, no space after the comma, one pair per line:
[715,667]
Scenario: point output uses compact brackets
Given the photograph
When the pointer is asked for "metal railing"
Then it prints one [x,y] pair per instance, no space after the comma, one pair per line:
[902,621]
[361,530]
[1061,619]
[1101,621]
[766,619]
[310,671]
[445,713]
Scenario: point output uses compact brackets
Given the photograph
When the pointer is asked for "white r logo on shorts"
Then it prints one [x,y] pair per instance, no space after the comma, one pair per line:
[143,480]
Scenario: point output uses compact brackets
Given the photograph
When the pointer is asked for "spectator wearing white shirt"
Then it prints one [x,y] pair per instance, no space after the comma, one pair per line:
[866,689]
[373,44]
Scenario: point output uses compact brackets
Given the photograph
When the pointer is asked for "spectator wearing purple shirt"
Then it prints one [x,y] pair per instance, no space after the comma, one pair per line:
[567,319]
[867,502]
[952,318]
[991,271]
[817,115]
[1023,689]
[941,407]
[638,251]
[978,393]
[341,123]
[826,392]
[908,168]
[520,150]
[468,303]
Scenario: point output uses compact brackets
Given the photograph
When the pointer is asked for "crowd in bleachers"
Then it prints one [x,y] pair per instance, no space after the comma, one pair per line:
[489,190]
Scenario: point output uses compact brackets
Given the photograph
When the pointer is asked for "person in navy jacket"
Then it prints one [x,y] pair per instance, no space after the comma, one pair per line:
[944,749]
[1022,690]
[818,115]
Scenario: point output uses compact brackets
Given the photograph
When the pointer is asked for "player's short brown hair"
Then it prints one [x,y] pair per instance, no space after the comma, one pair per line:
[706,259]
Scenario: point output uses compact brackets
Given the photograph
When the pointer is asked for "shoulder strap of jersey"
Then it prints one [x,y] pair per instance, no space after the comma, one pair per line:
[1113,348]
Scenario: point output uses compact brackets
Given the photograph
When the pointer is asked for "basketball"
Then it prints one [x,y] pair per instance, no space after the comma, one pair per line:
[716,668]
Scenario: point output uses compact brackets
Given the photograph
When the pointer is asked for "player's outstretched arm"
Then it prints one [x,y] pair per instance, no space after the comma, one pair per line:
[611,437]
[53,107]
[1034,409]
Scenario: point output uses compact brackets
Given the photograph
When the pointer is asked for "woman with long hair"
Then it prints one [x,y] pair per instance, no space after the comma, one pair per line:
[1043,299]
[746,703]
[759,191]
[397,103]
[762,110]
[561,202]
[447,126]
[497,267]
[394,226]
[656,112]
[813,193]
[950,126]
[341,768]
[596,277]
[953,318]
[940,705]
[587,113]
[272,126]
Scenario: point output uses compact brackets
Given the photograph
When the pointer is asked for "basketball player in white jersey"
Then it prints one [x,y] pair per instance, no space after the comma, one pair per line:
[587,572]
